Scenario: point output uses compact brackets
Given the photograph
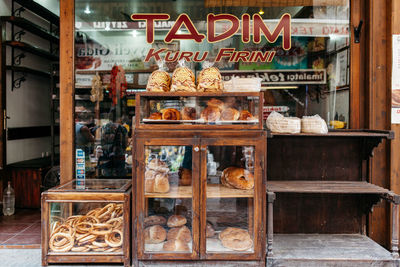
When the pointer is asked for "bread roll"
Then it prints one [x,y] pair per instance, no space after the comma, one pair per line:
[183,80]
[159,81]
[176,221]
[238,178]
[171,114]
[175,245]
[158,184]
[155,116]
[230,114]
[185,177]
[245,116]
[236,239]
[154,234]
[188,113]
[210,232]
[154,220]
[213,102]
[157,165]
[180,233]
[211,114]
[210,80]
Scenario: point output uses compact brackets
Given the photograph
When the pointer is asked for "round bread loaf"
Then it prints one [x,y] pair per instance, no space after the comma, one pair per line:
[236,239]
[245,116]
[176,221]
[230,114]
[154,234]
[181,233]
[154,220]
[175,245]
[171,114]
[238,178]
[188,113]
[210,232]
[158,184]
[210,114]
[213,102]
[155,116]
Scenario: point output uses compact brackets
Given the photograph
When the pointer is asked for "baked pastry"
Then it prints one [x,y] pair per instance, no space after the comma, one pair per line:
[210,232]
[396,98]
[238,178]
[154,220]
[213,102]
[180,233]
[245,115]
[210,80]
[154,234]
[157,165]
[175,245]
[171,114]
[230,114]
[188,113]
[176,221]
[159,81]
[159,183]
[183,80]
[211,114]
[155,116]
[185,176]
[236,239]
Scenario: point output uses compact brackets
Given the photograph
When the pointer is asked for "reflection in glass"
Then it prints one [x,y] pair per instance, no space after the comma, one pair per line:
[230,192]
[168,199]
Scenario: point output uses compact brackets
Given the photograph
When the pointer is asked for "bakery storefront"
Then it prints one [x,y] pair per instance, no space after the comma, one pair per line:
[219,132]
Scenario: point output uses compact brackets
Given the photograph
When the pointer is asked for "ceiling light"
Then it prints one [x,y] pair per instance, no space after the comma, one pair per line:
[87,10]
[261,12]
[134,33]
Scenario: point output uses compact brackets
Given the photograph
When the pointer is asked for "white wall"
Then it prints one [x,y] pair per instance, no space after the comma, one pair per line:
[29,105]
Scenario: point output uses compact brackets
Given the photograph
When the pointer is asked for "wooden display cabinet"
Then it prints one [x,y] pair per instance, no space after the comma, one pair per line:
[87,225]
[148,103]
[193,162]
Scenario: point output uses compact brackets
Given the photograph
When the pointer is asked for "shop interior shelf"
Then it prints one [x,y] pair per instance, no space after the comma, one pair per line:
[29,26]
[29,71]
[333,187]
[33,50]
[328,249]
[40,11]
[213,191]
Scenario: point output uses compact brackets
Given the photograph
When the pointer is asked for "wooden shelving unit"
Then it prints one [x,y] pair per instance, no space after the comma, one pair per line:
[32,49]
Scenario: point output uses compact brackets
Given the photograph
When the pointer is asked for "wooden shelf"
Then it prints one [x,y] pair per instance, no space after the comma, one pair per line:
[194,94]
[344,133]
[29,71]
[332,187]
[93,72]
[130,86]
[33,50]
[213,191]
[40,11]
[29,26]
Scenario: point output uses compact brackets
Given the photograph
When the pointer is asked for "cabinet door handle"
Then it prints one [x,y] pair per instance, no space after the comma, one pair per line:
[196,148]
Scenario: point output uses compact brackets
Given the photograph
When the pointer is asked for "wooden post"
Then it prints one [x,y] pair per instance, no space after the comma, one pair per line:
[270,233]
[395,231]
[67,90]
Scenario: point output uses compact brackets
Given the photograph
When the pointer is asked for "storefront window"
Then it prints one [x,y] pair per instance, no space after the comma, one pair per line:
[114,57]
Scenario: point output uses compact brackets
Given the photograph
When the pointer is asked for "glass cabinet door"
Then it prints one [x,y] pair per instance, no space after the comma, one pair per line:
[230,185]
[169,223]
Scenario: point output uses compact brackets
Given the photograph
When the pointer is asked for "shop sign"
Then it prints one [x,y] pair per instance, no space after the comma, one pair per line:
[280,77]
[251,28]
[396,78]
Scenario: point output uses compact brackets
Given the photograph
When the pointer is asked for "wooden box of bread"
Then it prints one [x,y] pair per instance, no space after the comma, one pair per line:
[199,195]
[199,110]
[88,223]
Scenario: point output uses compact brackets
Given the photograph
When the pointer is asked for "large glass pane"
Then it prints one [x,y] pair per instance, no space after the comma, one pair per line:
[230,199]
[168,199]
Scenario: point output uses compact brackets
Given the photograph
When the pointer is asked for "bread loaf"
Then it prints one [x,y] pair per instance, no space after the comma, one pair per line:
[211,114]
[238,178]
[181,233]
[158,184]
[171,114]
[154,234]
[175,245]
[183,80]
[213,102]
[155,116]
[157,165]
[210,80]
[176,221]
[229,114]
[159,81]
[188,113]
[245,115]
[154,220]
[236,239]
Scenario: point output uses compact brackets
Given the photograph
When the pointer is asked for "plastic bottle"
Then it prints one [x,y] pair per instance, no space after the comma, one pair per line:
[8,200]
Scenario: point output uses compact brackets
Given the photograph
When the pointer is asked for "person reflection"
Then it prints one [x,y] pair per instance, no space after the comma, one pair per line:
[83,136]
[114,139]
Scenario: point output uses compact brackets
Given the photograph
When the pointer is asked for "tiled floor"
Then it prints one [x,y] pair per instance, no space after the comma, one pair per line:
[21,230]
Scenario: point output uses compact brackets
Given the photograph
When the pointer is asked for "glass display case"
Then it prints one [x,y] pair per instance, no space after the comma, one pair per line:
[201,196]
[199,110]
[87,222]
